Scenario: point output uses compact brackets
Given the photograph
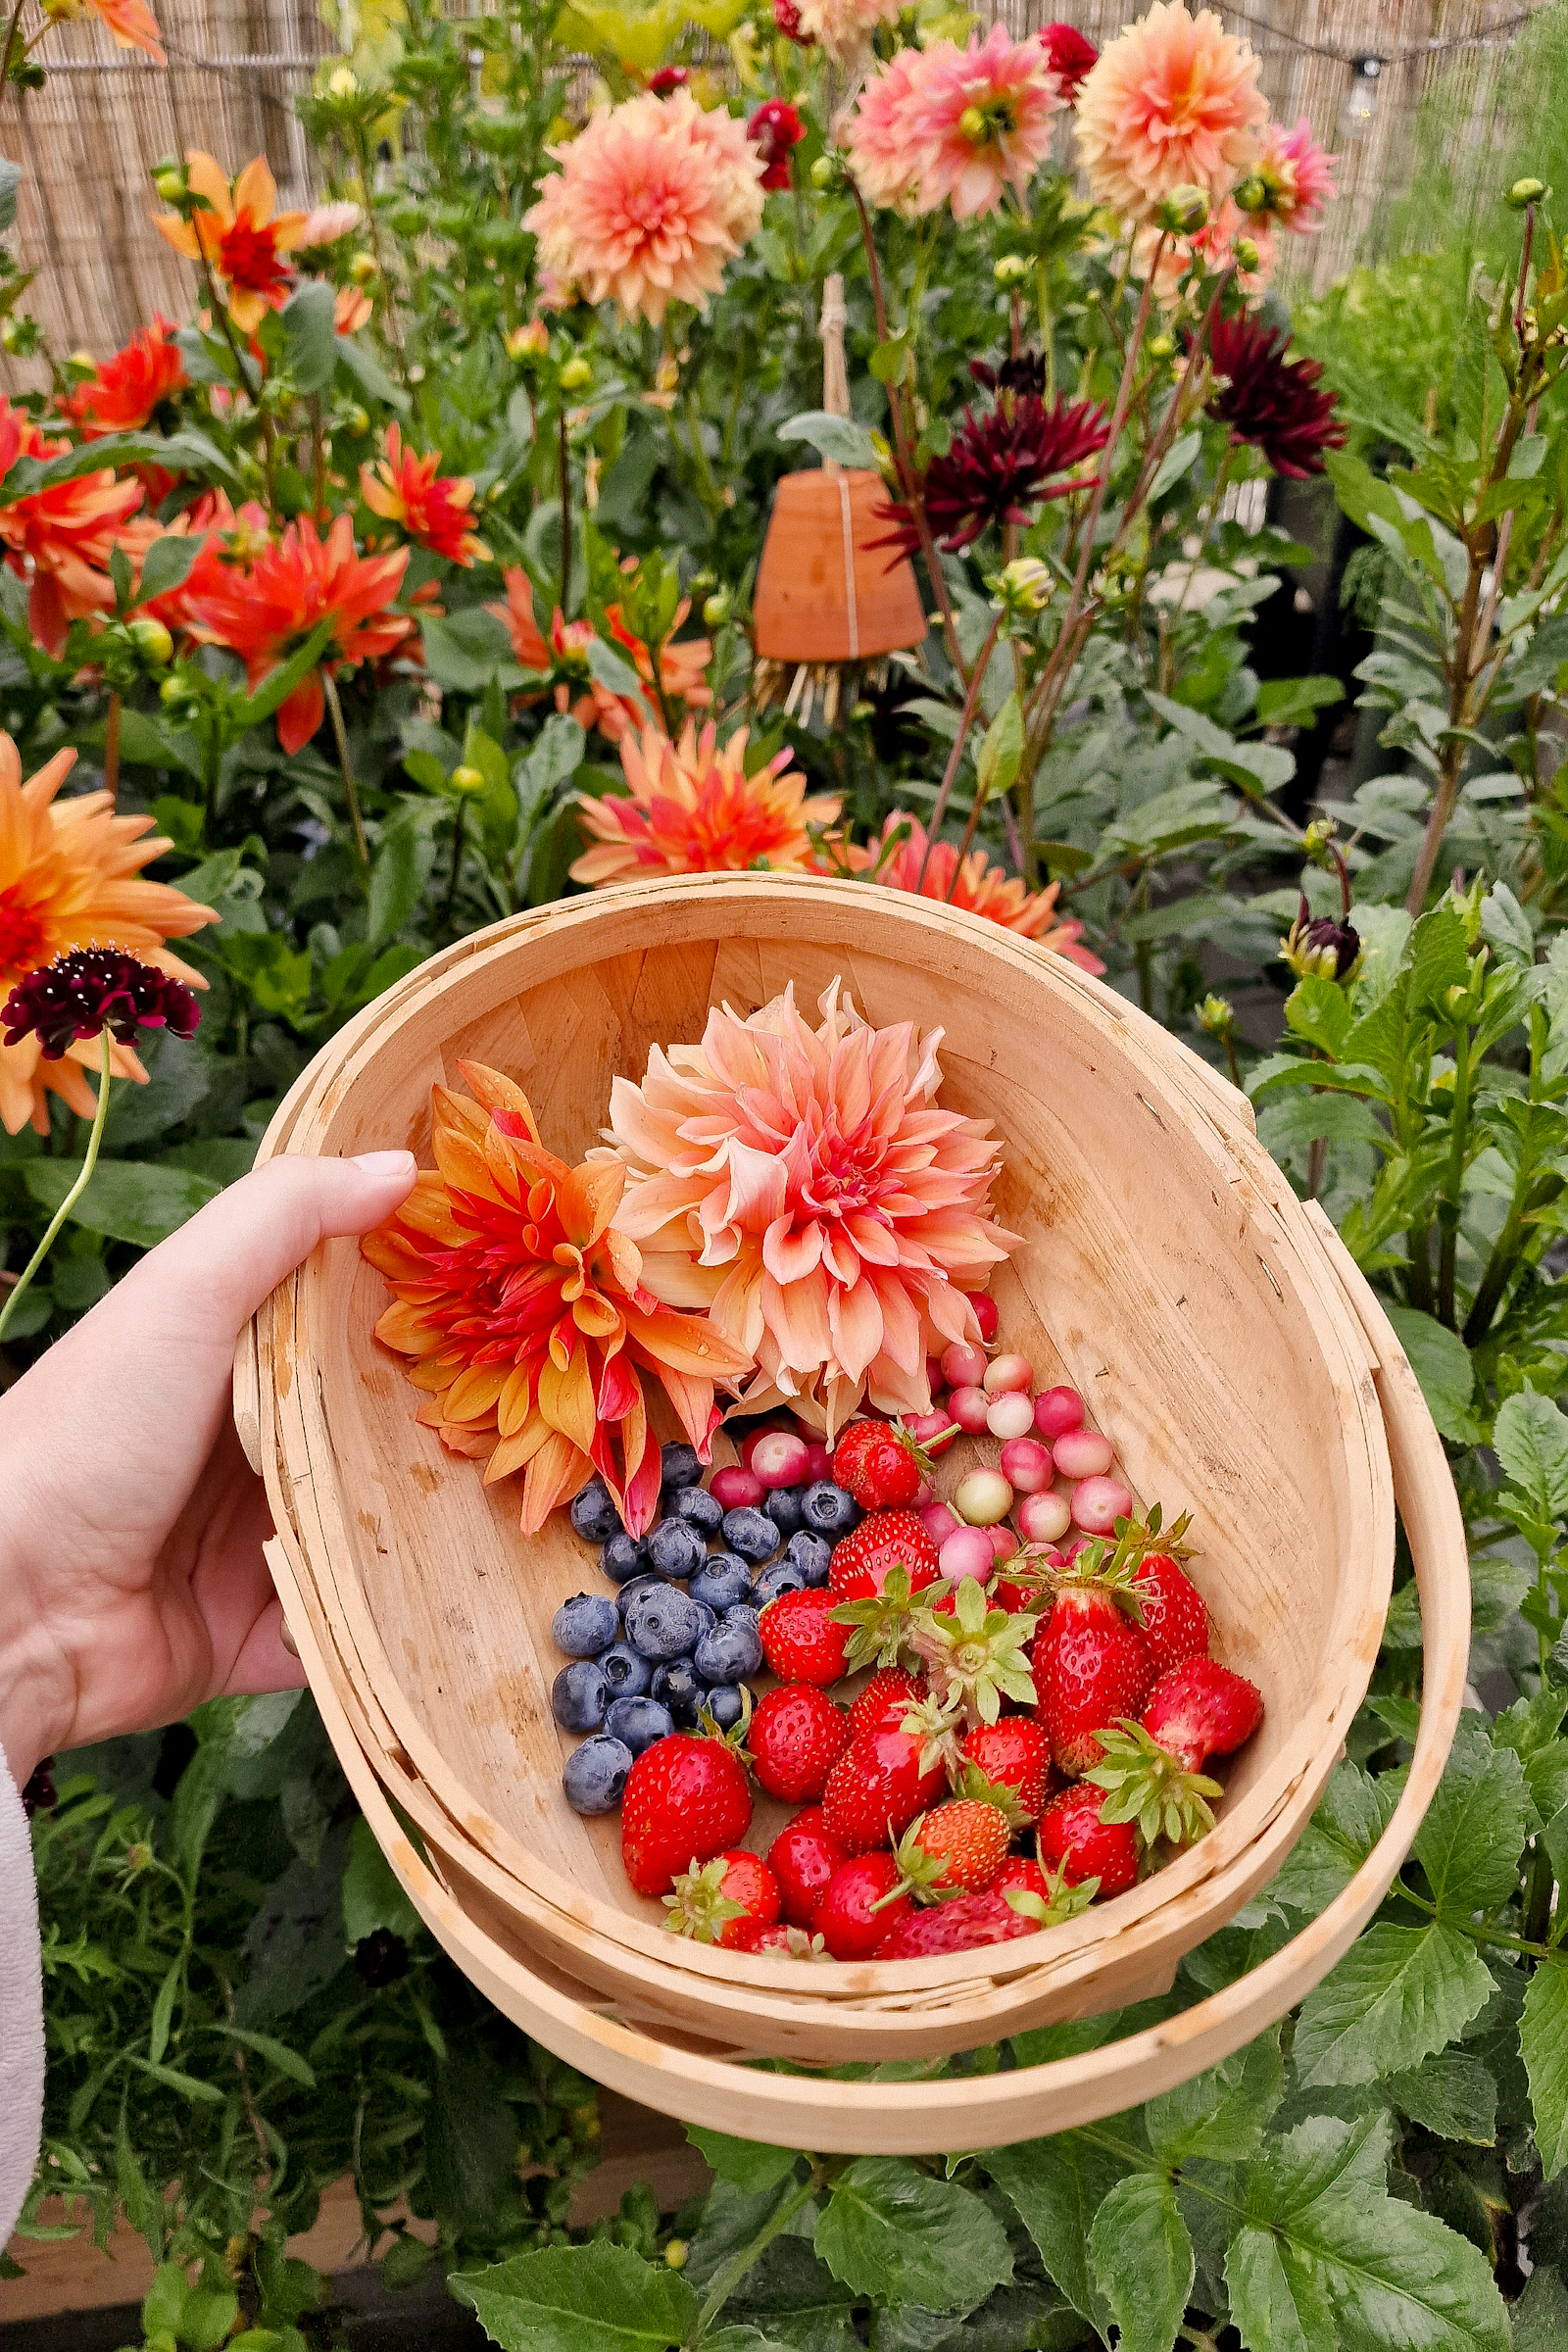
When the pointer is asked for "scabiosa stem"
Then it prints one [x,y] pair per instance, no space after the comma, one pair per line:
[24,1280]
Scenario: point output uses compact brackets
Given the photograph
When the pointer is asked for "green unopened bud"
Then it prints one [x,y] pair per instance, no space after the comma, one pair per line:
[826,171]
[138,1857]
[469,779]
[356,418]
[1252,195]
[1525,192]
[1183,211]
[362,269]
[716,608]
[177,693]
[576,374]
[1246,254]
[675,2253]
[169,182]
[1217,1015]
[1160,347]
[1011,270]
[1025,585]
[152,640]
[20,336]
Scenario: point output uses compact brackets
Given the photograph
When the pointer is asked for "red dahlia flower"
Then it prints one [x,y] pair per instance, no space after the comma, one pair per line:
[1071,57]
[432,508]
[775,127]
[1001,466]
[129,389]
[1270,402]
[63,536]
[787,19]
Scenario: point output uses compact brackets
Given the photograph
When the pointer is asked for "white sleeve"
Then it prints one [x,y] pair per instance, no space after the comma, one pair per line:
[20,2009]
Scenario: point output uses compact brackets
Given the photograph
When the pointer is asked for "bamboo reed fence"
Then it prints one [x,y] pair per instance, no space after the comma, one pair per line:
[235,67]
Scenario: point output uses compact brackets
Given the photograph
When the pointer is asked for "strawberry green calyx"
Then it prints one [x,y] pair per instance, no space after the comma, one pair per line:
[1113,1563]
[936,1726]
[1145,1785]
[883,1622]
[734,1738]
[976,1657]
[972,1782]
[1064,1902]
[920,1873]
[697,1905]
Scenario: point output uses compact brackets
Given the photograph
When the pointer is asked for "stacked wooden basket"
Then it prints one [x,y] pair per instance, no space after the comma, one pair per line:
[1167,1270]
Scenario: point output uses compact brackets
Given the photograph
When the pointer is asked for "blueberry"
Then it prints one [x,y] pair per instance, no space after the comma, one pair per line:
[732,1650]
[726,1706]
[707,1611]
[696,1506]
[638,1586]
[664,1624]
[679,1687]
[679,1465]
[828,1509]
[622,1558]
[784,1509]
[782,1577]
[594,1514]
[751,1533]
[580,1696]
[639,1722]
[721,1581]
[626,1674]
[676,1548]
[585,1624]
[812,1554]
[596,1774]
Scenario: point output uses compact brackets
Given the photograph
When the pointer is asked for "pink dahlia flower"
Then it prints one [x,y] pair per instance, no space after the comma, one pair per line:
[1172,103]
[804,1185]
[977,886]
[651,201]
[886,150]
[1298,177]
[691,808]
[984,118]
[843,27]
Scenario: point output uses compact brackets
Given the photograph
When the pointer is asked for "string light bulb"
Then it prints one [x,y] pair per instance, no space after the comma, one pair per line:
[1361,105]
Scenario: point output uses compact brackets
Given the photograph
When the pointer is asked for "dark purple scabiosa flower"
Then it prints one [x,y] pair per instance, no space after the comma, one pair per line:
[93,988]
[1023,374]
[380,1959]
[1270,402]
[38,1796]
[1000,467]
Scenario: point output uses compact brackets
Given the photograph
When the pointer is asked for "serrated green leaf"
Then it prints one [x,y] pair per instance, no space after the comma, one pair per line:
[1440,1362]
[1531,1441]
[1058,2187]
[995,763]
[1453,2094]
[1544,2042]
[594,2298]
[1469,1842]
[127,1200]
[1436,957]
[890,2231]
[1351,1816]
[1142,2259]
[373,1894]
[1399,1994]
[1221,2114]
[399,878]
[748,2165]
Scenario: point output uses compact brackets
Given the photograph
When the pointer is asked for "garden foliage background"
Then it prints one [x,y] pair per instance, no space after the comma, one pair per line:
[1150,765]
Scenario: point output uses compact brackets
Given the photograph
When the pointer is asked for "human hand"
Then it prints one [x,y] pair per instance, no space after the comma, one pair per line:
[132,1584]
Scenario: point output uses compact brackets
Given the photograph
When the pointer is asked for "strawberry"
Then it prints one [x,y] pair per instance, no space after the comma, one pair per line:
[803,1857]
[1171,1611]
[793,1942]
[1096,1669]
[885,1702]
[887,1539]
[883,1467]
[1015,1754]
[1020,1873]
[962,1926]
[1201,1709]
[1073,1839]
[796,1736]
[715,1901]
[800,1641]
[844,1461]
[852,1916]
[875,1790]
[1149,1770]
[962,1844]
[687,1799]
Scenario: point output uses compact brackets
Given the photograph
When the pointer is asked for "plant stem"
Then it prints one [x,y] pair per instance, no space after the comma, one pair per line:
[112,748]
[459,824]
[10,50]
[1454,1180]
[346,766]
[565,514]
[955,756]
[735,2269]
[90,1162]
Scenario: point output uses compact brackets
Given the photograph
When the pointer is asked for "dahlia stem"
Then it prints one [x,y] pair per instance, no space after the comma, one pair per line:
[955,756]
[565,516]
[112,748]
[346,767]
[24,1280]
[11,44]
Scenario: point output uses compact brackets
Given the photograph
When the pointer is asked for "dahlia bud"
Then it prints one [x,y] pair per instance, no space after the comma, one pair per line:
[827,172]
[151,640]
[1525,192]
[716,608]
[138,1857]
[1011,270]
[675,2253]
[1025,586]
[1183,211]
[343,83]
[1160,347]
[1217,1017]
[1252,194]
[362,269]
[170,181]
[1246,253]
[528,341]
[576,374]
[1322,949]
[467,779]
[177,694]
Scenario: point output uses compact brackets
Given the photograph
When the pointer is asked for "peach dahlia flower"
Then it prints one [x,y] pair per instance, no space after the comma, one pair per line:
[651,199]
[977,886]
[984,117]
[1173,102]
[804,1184]
[691,808]
[845,26]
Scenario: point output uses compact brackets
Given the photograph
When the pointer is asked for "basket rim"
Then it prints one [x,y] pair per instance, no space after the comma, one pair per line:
[1214,1113]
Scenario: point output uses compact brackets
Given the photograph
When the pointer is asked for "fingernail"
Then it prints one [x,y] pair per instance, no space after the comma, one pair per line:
[384,1163]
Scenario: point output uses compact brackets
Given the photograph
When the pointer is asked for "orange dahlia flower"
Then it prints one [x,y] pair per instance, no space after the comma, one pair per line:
[240,232]
[131,22]
[264,608]
[682,664]
[70,877]
[132,386]
[977,886]
[524,1316]
[805,1187]
[1172,102]
[691,808]
[351,310]
[432,508]
[61,539]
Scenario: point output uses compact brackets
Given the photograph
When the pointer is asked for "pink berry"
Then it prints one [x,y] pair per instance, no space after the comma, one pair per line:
[1082,1453]
[938,1521]
[967,1551]
[1010,1414]
[934,1431]
[1026,1464]
[933,1375]
[963,1367]
[779,1459]
[1098,1502]
[1004,1542]
[922,1499]
[1043,1517]
[985,1314]
[819,1462]
[1057,1410]
[754,1438]
[982,1497]
[737,1488]
[1008,1372]
[969,1407]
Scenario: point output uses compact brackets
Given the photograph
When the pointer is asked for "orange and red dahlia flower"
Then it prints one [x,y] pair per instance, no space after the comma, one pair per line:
[241,234]
[977,886]
[61,539]
[432,508]
[692,808]
[130,386]
[523,1315]
[564,659]
[131,22]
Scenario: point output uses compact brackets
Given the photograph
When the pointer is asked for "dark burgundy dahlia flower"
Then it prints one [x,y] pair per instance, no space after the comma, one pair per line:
[92,989]
[1269,401]
[1000,467]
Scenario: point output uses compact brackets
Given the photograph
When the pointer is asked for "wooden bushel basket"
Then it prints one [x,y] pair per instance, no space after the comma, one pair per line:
[1215,1324]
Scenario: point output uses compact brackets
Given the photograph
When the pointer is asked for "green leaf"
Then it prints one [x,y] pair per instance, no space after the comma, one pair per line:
[594,2298]
[995,763]
[1220,2115]
[465,650]
[1295,702]
[1177,460]
[609,667]
[275,688]
[1470,1840]
[1326,2261]
[840,438]
[164,2010]
[277,2053]
[1058,2187]
[359,361]
[1142,2259]
[180,453]
[10,181]
[748,2165]
[890,2231]
[188,2085]
[1531,1439]
[165,567]
[1436,957]
[1351,1816]
[399,878]
[1541,2314]
[310,334]
[1543,2041]
[277,976]
[372,1896]
[471,2146]
[1451,2095]
[1399,1994]
[1319,1010]
[127,1201]
[789,2294]
[1440,1362]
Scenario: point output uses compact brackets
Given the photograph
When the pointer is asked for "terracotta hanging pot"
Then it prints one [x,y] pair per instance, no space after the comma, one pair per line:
[823,594]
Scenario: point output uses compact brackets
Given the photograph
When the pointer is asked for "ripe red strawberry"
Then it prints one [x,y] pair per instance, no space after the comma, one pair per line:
[794,1941]
[800,1641]
[722,1900]
[962,1926]
[885,1702]
[1073,1839]
[883,1467]
[803,1857]
[1201,1709]
[796,1736]
[1171,1611]
[846,1918]
[845,1455]
[1023,1875]
[687,1798]
[961,1843]
[887,1539]
[1015,1753]
[1096,1669]
[875,1790]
